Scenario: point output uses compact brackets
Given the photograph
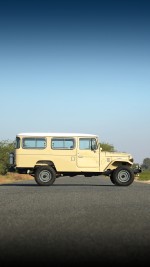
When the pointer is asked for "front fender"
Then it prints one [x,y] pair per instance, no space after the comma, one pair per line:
[117,163]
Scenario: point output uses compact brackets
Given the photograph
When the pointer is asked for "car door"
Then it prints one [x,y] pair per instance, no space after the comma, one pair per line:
[88,154]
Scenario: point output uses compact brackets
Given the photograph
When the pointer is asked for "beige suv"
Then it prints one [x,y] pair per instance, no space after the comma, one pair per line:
[47,156]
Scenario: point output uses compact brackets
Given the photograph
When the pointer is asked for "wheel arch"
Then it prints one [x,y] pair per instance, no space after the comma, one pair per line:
[115,164]
[45,162]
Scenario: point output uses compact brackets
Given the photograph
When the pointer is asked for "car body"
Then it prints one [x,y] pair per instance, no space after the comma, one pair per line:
[49,155]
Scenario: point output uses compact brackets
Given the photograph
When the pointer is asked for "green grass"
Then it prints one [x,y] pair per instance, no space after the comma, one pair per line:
[144,176]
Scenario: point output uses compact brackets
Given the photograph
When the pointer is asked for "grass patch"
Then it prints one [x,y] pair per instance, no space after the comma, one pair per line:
[144,176]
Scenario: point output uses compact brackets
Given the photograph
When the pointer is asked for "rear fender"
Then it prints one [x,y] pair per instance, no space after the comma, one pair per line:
[45,162]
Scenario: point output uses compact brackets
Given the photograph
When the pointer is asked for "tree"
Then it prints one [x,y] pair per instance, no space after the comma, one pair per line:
[146,164]
[5,148]
[107,147]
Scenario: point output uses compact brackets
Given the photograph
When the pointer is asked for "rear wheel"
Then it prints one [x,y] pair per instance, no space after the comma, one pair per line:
[45,175]
[122,176]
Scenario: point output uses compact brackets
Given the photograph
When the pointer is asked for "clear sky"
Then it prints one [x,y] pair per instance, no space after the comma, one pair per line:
[77,66]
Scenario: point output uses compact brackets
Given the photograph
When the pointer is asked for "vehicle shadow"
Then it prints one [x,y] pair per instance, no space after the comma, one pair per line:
[54,185]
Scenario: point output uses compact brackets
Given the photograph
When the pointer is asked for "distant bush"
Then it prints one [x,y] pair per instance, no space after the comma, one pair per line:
[146,164]
[107,147]
[6,147]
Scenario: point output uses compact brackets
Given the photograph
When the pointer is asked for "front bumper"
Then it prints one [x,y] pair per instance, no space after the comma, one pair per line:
[137,170]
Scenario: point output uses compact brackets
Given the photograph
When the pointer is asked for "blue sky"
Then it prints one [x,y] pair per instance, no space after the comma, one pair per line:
[77,66]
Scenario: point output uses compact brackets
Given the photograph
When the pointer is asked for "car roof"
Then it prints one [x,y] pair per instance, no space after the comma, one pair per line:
[56,134]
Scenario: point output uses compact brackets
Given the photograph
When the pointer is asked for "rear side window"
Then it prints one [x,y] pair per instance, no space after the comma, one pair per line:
[17,142]
[62,143]
[34,143]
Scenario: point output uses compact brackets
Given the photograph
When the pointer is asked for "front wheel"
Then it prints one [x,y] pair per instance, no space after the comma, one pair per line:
[45,175]
[123,176]
[111,178]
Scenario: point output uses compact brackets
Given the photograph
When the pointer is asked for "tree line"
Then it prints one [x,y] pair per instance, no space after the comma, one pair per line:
[7,146]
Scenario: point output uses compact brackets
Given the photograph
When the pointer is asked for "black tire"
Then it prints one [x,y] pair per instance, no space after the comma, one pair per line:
[123,176]
[45,175]
[111,178]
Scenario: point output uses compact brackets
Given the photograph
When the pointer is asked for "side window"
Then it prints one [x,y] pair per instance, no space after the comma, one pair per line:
[34,143]
[87,144]
[62,143]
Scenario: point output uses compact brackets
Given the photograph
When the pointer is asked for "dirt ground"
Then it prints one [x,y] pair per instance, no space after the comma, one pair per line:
[13,177]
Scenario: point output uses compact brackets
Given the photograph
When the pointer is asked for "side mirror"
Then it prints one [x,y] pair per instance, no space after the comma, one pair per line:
[94,146]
